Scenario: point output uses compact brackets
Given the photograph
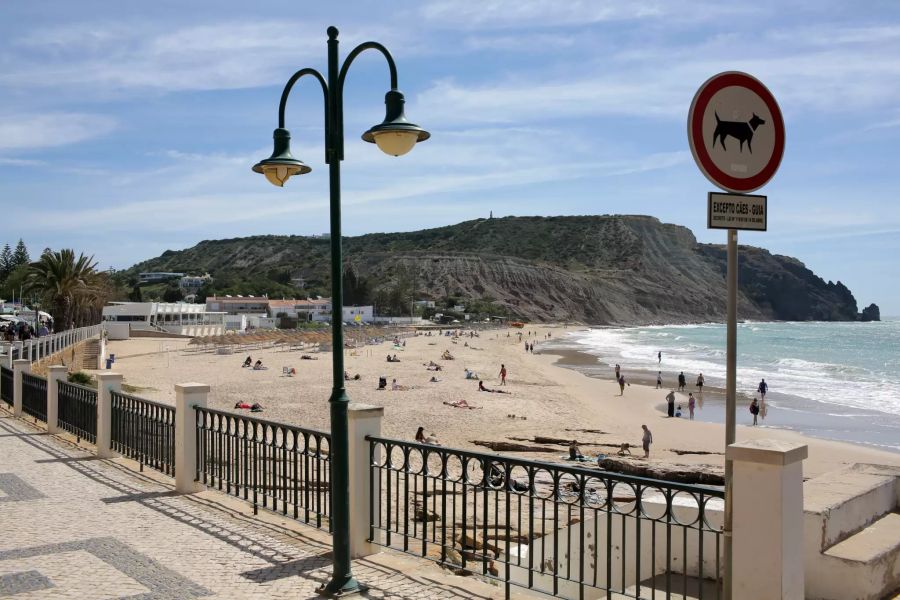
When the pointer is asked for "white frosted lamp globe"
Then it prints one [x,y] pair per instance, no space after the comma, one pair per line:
[278,174]
[396,143]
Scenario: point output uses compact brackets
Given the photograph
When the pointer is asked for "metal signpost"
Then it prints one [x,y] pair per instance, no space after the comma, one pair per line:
[736,134]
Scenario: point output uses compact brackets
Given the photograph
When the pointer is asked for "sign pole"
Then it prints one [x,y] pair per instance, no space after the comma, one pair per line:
[730,397]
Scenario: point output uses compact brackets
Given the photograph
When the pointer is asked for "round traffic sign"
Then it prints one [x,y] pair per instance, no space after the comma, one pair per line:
[736,132]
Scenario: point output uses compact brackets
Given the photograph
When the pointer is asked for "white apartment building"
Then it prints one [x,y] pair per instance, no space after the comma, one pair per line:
[238,305]
[155,276]
[318,309]
[174,317]
[192,283]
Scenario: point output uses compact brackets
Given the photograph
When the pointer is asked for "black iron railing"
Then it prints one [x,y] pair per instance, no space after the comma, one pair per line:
[565,531]
[77,410]
[144,431]
[6,385]
[284,468]
[34,396]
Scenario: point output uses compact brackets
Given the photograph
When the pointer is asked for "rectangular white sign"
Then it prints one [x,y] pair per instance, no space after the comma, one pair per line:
[736,211]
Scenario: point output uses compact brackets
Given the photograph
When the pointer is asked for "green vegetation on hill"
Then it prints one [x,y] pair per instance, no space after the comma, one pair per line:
[598,269]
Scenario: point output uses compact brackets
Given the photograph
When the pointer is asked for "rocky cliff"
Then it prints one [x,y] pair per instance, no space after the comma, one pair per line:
[594,269]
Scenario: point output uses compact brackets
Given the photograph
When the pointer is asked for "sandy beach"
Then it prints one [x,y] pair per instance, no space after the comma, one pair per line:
[544,400]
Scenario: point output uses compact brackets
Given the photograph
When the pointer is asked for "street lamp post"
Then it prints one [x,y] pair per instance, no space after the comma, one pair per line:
[394,136]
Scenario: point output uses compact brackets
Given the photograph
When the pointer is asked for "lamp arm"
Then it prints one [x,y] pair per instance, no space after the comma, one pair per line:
[359,50]
[290,84]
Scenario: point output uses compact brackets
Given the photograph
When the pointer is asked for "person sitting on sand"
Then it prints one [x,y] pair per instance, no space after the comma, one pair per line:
[426,439]
[389,359]
[259,366]
[481,388]
[471,374]
[678,411]
[382,382]
[434,379]
[308,357]
[574,451]
[446,355]
[395,359]
[397,387]
[624,449]
[247,362]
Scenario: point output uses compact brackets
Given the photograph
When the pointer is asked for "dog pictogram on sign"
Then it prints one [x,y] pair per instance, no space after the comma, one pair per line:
[736,132]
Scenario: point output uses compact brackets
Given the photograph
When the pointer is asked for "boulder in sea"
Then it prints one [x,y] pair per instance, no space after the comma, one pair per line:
[870,313]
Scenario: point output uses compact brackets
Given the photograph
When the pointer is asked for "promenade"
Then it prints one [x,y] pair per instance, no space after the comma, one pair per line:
[75,526]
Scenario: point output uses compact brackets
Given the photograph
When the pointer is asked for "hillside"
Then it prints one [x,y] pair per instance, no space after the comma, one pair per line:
[594,269]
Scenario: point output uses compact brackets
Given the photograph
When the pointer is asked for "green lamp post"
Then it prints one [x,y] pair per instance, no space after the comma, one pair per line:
[395,136]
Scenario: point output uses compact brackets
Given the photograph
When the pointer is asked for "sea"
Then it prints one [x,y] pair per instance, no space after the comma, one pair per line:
[838,381]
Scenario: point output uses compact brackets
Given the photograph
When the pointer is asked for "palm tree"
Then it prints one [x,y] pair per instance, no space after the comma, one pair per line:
[66,283]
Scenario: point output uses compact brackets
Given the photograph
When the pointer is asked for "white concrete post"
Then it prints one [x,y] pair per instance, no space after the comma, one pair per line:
[55,373]
[363,420]
[767,546]
[22,365]
[187,395]
[106,383]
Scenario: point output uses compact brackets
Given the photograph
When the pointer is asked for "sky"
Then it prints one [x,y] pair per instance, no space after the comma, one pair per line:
[127,129]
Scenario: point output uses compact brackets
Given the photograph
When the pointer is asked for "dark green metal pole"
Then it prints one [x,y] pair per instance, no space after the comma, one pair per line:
[342,580]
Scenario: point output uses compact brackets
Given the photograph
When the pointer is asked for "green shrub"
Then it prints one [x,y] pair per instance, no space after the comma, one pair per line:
[82,378]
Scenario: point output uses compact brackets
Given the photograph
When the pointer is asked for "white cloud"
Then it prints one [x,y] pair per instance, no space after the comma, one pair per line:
[19,132]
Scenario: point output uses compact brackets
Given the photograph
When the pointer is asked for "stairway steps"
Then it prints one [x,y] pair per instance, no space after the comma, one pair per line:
[878,540]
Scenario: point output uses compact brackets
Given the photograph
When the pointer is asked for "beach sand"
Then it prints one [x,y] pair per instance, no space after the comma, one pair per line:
[554,401]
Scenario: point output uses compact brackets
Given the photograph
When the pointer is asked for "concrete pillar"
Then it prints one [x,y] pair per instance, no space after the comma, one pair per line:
[106,383]
[768,520]
[21,365]
[54,374]
[187,395]
[363,420]
[18,347]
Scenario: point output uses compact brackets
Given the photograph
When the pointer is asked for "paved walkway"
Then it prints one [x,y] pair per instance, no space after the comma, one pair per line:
[74,526]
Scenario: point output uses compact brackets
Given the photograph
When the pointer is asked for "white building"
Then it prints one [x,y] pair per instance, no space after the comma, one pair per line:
[174,317]
[238,305]
[366,314]
[192,283]
[151,277]
[302,310]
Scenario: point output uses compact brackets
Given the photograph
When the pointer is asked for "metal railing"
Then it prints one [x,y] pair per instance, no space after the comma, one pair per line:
[34,396]
[6,385]
[286,468]
[144,431]
[560,530]
[77,410]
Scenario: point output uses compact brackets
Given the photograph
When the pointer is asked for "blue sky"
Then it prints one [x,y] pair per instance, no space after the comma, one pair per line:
[129,128]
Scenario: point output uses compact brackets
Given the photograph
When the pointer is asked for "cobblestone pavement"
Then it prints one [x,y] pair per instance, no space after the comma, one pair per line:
[74,526]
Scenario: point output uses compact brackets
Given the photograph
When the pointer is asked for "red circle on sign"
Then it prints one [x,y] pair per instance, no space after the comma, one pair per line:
[695,132]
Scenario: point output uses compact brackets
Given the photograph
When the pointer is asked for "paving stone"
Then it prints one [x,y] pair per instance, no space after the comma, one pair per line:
[75,527]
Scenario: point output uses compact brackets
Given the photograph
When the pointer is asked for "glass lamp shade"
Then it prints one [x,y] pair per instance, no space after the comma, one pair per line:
[395,135]
[279,167]
[278,174]
[396,143]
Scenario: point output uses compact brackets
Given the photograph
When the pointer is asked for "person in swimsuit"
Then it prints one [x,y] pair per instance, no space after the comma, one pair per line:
[646,440]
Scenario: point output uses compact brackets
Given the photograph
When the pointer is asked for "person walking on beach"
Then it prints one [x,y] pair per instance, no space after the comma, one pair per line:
[691,403]
[700,382]
[670,401]
[502,374]
[659,357]
[658,379]
[754,410]
[762,389]
[621,385]
[618,370]
[681,381]
[647,440]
